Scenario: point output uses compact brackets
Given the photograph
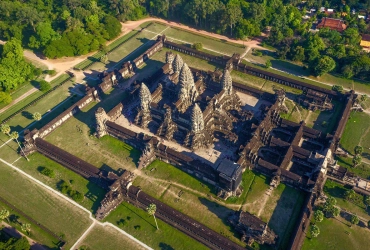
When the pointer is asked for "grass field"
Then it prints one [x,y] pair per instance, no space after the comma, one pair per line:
[142,226]
[337,191]
[208,42]
[356,133]
[335,233]
[294,68]
[107,238]
[362,170]
[62,91]
[40,204]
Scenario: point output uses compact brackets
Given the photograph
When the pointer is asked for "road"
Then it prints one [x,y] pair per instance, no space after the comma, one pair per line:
[57,194]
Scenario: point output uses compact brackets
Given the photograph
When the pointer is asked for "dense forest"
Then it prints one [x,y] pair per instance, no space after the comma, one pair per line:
[60,28]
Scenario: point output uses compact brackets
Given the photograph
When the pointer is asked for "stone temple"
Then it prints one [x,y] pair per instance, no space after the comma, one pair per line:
[188,109]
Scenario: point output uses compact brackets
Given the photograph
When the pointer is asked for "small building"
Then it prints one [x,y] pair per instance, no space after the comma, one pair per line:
[230,175]
[365,41]
[252,228]
[332,23]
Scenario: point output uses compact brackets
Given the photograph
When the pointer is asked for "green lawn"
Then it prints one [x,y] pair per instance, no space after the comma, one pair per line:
[362,170]
[295,68]
[56,214]
[208,42]
[61,95]
[356,132]
[337,191]
[142,226]
[335,233]
[107,238]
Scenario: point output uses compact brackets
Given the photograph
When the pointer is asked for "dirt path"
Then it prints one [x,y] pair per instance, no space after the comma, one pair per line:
[60,195]
[30,92]
[16,234]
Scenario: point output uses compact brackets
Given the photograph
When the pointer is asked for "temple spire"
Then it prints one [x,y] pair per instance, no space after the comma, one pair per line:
[227,82]
[197,121]
[177,63]
[145,97]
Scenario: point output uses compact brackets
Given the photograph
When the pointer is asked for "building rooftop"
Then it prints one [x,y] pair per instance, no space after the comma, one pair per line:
[332,23]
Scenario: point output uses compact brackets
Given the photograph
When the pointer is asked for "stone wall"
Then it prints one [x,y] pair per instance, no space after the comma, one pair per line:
[63,117]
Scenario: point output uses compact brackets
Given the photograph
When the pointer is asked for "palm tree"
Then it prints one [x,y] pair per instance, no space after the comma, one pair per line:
[4,214]
[152,208]
[37,116]
[14,135]
[26,227]
[4,128]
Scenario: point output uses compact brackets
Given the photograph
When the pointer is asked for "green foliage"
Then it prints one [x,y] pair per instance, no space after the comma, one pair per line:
[48,172]
[197,46]
[14,69]
[268,64]
[15,244]
[356,160]
[318,215]
[5,97]
[359,150]
[322,65]
[350,194]
[354,219]
[44,86]
[315,231]
[51,72]
[66,188]
[329,206]
[338,88]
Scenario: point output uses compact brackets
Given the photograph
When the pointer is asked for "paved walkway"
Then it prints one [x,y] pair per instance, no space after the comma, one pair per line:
[56,193]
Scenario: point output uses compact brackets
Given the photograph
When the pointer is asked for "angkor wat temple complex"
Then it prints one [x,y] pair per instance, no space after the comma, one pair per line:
[203,123]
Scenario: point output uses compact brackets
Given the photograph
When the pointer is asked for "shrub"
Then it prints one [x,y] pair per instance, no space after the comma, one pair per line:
[37,71]
[48,172]
[324,124]
[5,97]
[137,227]
[64,187]
[44,86]
[197,46]
[337,88]
[51,72]
[77,196]
[257,52]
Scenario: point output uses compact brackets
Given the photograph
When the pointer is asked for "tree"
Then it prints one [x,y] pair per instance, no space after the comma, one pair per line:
[354,219]
[4,214]
[268,64]
[104,58]
[197,46]
[152,208]
[15,244]
[26,227]
[336,211]
[298,54]
[5,98]
[329,206]
[356,160]
[359,150]
[234,13]
[315,231]
[37,116]
[322,65]
[44,86]
[350,194]
[319,215]
[14,135]
[367,201]
[48,172]
[5,129]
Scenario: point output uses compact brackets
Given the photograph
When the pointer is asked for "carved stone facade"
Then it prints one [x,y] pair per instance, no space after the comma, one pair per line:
[101,117]
[143,117]
[187,92]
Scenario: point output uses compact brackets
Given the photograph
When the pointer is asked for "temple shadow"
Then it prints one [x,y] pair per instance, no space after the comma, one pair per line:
[279,216]
[27,115]
[108,169]
[164,246]
[222,213]
[95,194]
